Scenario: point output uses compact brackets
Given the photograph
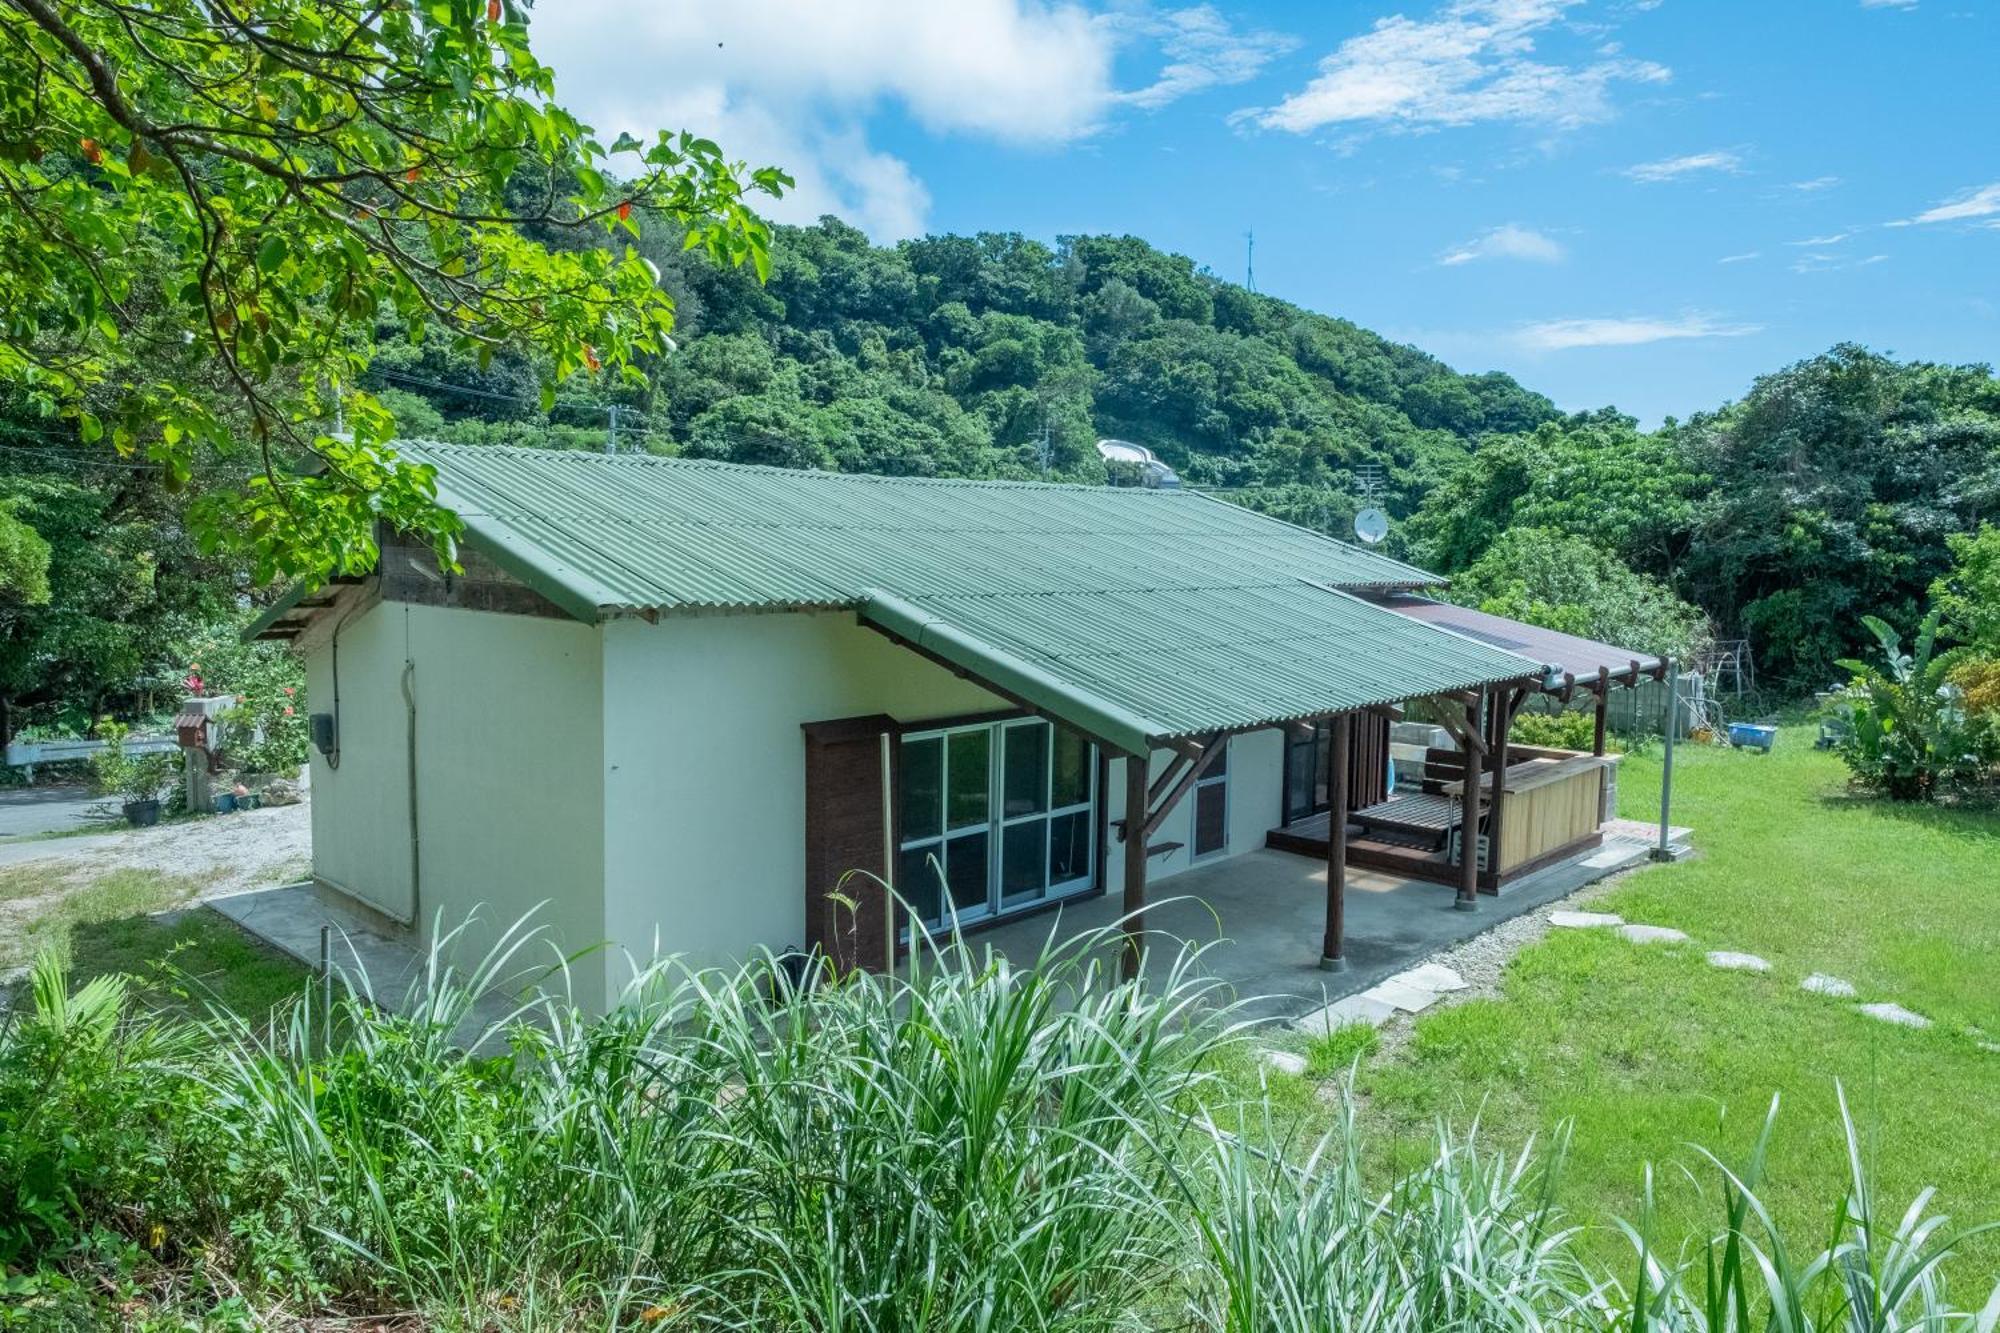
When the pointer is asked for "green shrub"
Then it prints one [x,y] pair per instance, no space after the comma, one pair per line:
[1556,731]
[1908,733]
[129,777]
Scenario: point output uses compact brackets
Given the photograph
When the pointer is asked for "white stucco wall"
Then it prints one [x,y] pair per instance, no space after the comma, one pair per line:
[360,811]
[510,774]
[704,791]
[647,780]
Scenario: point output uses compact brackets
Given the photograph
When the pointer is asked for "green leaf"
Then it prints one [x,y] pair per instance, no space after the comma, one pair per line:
[271,254]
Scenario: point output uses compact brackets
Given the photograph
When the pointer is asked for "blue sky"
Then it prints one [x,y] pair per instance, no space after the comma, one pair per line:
[1638,202]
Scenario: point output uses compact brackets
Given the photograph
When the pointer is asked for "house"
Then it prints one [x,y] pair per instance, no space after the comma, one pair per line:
[675,703]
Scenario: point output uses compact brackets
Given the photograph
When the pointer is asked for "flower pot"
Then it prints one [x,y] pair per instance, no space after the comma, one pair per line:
[142,814]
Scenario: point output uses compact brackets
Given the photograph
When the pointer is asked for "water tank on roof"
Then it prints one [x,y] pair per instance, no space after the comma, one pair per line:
[1140,460]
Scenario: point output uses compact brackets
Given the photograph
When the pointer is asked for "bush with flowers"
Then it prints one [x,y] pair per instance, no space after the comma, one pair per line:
[265,732]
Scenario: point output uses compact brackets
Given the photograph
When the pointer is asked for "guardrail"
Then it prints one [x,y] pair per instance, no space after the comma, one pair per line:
[29,754]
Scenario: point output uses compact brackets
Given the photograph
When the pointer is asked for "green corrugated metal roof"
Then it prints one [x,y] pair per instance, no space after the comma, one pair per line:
[632,533]
[1137,616]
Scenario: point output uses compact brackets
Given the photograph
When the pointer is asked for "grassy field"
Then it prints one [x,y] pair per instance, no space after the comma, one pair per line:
[131,920]
[1643,1050]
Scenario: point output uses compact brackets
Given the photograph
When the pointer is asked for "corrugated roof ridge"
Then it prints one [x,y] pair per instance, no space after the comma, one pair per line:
[1368,552]
[772,470]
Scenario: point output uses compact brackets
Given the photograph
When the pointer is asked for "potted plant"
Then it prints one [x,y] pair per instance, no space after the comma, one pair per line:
[136,779]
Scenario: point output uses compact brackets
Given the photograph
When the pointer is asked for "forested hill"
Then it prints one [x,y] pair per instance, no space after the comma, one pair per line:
[954,355]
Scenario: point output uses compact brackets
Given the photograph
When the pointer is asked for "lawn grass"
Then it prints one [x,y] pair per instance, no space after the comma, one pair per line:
[130,921]
[1644,1050]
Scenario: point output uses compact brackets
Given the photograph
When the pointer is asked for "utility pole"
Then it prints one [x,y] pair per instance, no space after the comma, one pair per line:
[1250,260]
[611,436]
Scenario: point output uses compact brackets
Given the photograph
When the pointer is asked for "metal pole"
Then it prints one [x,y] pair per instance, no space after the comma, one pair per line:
[611,437]
[325,989]
[1664,852]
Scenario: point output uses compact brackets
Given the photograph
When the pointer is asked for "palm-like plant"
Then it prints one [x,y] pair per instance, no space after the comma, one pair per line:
[1909,735]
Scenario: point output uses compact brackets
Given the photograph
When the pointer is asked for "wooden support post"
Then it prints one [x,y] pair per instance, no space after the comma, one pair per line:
[1333,949]
[1468,817]
[1603,702]
[1135,862]
[1500,720]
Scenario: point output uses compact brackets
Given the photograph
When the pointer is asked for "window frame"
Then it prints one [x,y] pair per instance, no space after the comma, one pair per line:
[999,904]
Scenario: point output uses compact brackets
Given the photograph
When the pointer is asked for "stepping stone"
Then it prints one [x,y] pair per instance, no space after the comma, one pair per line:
[1353,1009]
[1652,934]
[1402,995]
[1819,983]
[1894,1013]
[1990,1047]
[1568,920]
[1435,977]
[1737,962]
[1285,1062]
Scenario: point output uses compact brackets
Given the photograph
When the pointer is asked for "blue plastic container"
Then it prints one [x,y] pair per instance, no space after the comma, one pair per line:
[1750,736]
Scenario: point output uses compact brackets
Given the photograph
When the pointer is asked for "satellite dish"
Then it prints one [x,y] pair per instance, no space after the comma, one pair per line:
[1371,525]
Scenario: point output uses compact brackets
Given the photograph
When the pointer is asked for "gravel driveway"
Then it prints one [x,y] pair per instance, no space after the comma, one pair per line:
[229,853]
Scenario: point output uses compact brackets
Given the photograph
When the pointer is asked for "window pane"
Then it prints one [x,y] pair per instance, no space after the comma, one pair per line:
[965,872]
[917,881]
[1069,847]
[1210,828]
[1299,782]
[1071,784]
[968,778]
[1027,770]
[922,780]
[1022,859]
[1322,792]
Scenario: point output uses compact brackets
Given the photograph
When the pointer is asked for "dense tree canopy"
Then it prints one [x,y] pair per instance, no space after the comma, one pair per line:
[248,188]
[1833,490]
[997,355]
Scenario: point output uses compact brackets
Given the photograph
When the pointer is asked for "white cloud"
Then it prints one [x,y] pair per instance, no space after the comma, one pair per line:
[1834,239]
[1473,61]
[1673,168]
[795,84]
[1814,185]
[1559,335]
[1888,4]
[1743,258]
[1203,51]
[1818,261]
[1508,242]
[1968,205]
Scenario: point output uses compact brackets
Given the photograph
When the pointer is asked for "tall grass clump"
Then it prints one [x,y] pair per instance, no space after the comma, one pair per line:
[969,1146]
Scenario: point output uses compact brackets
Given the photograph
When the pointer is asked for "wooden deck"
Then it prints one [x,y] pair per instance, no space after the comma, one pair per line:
[1552,812]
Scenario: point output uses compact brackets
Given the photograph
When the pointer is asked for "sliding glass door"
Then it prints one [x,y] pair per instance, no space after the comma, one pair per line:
[996,817]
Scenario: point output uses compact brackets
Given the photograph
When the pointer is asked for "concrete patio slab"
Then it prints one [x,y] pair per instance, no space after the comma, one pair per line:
[378,967]
[1262,915]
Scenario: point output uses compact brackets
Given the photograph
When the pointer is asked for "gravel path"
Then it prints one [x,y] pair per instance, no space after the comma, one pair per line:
[229,853]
